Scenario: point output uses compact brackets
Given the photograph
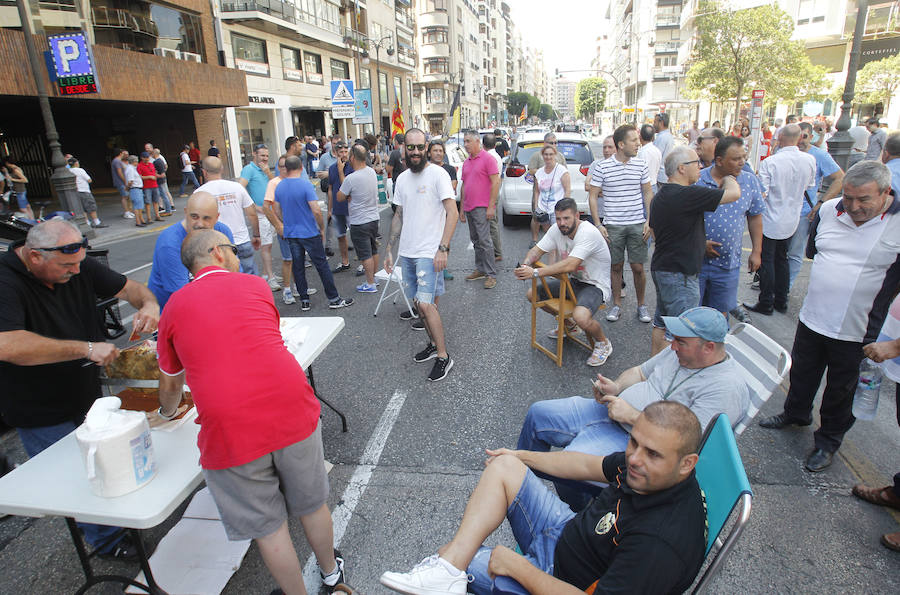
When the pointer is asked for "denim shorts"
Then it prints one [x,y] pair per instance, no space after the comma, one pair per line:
[151,195]
[285,248]
[339,222]
[718,288]
[22,199]
[428,285]
[137,198]
[537,517]
[675,293]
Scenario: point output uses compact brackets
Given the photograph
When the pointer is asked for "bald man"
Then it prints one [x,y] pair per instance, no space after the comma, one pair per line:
[168,274]
[237,210]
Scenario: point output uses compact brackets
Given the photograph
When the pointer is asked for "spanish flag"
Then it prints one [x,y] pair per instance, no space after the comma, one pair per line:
[397,126]
[524,115]
[453,120]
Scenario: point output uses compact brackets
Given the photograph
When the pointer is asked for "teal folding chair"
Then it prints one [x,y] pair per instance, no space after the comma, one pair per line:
[724,482]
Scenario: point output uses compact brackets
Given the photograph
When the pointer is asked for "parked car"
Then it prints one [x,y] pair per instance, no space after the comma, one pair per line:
[516,191]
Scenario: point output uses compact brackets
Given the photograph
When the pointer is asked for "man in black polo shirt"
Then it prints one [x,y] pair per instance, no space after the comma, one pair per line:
[50,335]
[645,533]
[676,218]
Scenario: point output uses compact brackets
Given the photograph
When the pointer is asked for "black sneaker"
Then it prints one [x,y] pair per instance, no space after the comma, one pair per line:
[337,575]
[341,268]
[418,324]
[408,315]
[430,352]
[442,367]
[305,305]
[340,303]
[329,252]
[125,549]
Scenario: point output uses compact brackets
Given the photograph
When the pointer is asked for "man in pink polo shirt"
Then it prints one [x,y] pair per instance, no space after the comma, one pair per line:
[481,184]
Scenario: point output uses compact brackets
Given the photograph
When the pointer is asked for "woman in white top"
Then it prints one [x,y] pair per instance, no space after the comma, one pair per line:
[552,183]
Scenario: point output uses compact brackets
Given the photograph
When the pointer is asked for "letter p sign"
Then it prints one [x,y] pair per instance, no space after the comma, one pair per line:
[68,53]
[71,54]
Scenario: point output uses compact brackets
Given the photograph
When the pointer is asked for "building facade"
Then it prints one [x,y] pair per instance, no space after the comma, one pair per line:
[563,97]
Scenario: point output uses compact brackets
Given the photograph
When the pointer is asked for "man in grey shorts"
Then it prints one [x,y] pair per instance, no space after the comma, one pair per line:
[260,441]
[623,183]
[360,190]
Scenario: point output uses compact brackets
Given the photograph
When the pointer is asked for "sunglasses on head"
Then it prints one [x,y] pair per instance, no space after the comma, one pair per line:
[67,248]
[232,246]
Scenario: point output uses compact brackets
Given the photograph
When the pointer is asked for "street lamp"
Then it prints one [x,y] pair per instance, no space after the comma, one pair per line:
[365,55]
[839,144]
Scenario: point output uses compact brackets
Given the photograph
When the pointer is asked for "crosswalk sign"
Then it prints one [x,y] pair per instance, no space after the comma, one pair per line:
[342,92]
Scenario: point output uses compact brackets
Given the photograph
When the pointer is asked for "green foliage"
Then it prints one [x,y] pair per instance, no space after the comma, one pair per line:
[546,112]
[515,102]
[877,81]
[741,50]
[590,97]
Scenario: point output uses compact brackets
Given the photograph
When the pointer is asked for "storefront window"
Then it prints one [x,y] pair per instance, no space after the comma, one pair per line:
[313,66]
[339,70]
[255,127]
[146,27]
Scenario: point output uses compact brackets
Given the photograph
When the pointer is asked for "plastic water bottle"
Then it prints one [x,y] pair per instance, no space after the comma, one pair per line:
[865,401]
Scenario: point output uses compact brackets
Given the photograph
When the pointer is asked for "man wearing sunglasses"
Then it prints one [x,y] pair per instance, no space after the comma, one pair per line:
[49,337]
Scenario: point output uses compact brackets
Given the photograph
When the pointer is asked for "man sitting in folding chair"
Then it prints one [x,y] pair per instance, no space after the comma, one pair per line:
[584,255]
[646,533]
[696,372]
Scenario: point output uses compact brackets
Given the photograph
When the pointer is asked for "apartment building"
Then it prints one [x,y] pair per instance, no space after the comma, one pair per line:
[291,50]
[563,97]
[158,75]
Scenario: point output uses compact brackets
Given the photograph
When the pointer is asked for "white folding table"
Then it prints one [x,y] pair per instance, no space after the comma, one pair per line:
[54,483]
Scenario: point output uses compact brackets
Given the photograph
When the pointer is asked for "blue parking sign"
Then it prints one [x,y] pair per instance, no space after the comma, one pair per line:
[71,54]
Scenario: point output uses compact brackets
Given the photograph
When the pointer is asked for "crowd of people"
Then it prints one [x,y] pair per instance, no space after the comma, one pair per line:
[638,435]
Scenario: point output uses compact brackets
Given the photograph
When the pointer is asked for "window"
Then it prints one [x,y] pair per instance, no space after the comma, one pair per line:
[365,78]
[439,5]
[458,14]
[436,66]
[313,65]
[460,44]
[291,65]
[436,96]
[339,70]
[409,94]
[382,89]
[398,85]
[149,26]
[250,54]
[434,35]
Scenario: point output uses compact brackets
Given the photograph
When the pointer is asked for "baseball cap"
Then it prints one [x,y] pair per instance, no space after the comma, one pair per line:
[706,323]
[144,154]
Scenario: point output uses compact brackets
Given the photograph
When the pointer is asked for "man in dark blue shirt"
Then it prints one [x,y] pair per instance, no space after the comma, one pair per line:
[339,210]
[300,221]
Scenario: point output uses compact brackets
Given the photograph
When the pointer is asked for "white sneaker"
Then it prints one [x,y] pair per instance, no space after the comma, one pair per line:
[274,285]
[128,215]
[287,296]
[431,576]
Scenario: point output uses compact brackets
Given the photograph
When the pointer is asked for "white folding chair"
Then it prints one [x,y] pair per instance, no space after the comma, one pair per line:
[764,365]
[396,275]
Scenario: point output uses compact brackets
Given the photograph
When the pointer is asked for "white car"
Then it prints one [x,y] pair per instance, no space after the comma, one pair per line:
[516,191]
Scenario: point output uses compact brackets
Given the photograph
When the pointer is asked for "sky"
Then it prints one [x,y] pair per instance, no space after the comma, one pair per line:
[565,29]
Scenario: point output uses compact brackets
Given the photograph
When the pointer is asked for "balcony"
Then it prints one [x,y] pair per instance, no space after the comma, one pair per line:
[666,47]
[665,21]
[433,19]
[114,18]
[286,20]
[404,21]
[665,73]
[274,8]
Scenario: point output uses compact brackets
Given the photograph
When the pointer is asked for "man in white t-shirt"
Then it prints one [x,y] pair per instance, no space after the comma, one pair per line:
[187,171]
[360,190]
[584,255]
[83,187]
[426,201]
[234,205]
[650,153]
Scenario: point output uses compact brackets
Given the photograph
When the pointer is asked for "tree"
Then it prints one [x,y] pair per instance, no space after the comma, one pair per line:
[879,80]
[590,97]
[546,112]
[740,50]
[515,102]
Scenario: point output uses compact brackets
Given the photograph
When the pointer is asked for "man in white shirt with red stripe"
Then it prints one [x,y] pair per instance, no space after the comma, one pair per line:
[623,182]
[855,245]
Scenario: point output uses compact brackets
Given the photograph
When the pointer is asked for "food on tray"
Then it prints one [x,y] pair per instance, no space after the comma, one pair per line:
[137,363]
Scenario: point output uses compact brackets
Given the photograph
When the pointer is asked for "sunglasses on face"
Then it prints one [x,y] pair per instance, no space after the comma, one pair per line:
[232,246]
[67,248]
[419,148]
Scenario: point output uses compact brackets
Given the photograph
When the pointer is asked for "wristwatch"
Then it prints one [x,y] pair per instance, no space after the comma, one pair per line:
[444,248]
[535,274]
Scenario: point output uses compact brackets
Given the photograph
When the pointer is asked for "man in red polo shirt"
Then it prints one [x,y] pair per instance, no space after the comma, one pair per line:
[260,441]
[481,184]
[147,171]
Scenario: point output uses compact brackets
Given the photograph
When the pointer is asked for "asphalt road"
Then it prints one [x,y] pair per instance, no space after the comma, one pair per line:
[415,449]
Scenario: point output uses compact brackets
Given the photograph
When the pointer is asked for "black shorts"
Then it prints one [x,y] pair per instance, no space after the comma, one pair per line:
[587,295]
[363,237]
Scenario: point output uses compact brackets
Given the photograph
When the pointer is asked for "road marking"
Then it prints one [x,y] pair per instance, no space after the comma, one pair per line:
[136,269]
[354,491]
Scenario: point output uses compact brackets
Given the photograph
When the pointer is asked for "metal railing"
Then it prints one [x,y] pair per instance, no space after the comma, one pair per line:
[275,8]
[668,20]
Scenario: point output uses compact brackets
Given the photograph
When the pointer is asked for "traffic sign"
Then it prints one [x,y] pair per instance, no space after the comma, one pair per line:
[342,93]
[340,112]
[73,63]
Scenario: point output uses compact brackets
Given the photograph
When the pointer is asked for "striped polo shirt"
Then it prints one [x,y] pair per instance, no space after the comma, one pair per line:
[620,183]
[854,273]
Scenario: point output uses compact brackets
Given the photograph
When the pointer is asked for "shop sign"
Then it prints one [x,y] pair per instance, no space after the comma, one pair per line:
[314,77]
[73,63]
[363,107]
[878,49]
[293,75]
[252,67]
[258,99]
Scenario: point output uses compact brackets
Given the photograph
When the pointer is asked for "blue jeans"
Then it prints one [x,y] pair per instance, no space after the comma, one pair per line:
[188,176]
[246,256]
[675,293]
[299,248]
[165,195]
[577,424]
[718,287]
[36,440]
[797,250]
[537,518]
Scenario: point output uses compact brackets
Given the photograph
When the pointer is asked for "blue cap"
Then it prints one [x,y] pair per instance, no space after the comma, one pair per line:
[706,323]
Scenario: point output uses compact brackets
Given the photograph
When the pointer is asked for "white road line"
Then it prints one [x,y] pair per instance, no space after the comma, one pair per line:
[134,270]
[358,483]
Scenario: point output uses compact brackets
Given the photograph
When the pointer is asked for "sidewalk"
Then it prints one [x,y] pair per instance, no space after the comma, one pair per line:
[109,209]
